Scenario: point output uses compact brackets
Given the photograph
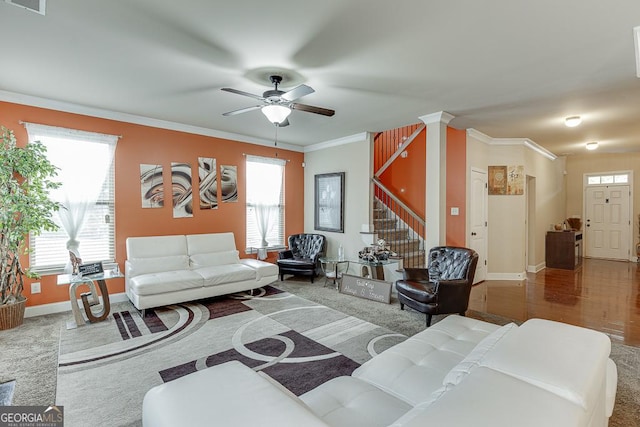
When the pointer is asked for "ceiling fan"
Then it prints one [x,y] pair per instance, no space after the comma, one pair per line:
[277,104]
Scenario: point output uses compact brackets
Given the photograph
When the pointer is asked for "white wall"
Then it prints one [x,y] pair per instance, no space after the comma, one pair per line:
[507,229]
[354,159]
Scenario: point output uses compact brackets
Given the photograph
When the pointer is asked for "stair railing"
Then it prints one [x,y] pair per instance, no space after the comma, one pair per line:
[402,228]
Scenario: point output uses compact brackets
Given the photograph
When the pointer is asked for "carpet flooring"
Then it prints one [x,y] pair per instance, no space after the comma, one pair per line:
[29,354]
[299,343]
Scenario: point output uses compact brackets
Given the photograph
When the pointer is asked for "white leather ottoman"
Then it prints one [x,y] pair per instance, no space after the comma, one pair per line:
[229,394]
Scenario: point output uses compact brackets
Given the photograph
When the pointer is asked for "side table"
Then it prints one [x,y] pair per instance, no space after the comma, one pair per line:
[333,268]
[89,299]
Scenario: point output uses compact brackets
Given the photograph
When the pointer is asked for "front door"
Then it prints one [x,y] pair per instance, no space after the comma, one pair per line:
[607,222]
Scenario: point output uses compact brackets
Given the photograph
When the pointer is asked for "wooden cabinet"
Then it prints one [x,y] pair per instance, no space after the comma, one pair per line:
[563,249]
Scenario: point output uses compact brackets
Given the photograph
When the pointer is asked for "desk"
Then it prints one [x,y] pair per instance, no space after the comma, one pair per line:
[89,299]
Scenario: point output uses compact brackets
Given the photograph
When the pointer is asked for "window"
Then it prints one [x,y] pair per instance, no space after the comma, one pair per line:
[618,178]
[87,222]
[265,202]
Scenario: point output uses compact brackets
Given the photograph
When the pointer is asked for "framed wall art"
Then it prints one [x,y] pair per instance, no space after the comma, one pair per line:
[329,202]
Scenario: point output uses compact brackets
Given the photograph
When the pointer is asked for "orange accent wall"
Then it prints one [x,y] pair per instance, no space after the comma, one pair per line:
[149,145]
[456,186]
[405,177]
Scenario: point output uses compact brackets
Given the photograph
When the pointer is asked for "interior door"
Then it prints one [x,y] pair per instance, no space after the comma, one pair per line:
[607,222]
[478,221]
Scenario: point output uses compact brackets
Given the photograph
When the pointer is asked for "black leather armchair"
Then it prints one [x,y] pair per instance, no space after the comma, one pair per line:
[444,286]
[301,259]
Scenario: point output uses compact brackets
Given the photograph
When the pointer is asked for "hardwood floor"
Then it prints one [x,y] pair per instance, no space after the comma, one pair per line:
[601,295]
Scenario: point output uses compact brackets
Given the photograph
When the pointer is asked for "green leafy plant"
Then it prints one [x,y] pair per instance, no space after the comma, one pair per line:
[26,178]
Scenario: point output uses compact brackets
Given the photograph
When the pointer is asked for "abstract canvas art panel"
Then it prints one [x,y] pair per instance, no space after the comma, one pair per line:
[181,190]
[208,183]
[229,183]
[151,186]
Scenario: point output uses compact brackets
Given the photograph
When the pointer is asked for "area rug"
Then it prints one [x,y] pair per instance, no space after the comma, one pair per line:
[105,369]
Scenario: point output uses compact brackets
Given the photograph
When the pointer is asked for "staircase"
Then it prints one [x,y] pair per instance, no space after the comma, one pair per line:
[398,235]
[401,228]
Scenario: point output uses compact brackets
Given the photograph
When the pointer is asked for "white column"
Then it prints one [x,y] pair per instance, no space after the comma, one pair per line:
[436,197]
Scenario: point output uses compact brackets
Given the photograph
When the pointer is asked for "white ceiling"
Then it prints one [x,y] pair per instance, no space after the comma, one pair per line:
[507,68]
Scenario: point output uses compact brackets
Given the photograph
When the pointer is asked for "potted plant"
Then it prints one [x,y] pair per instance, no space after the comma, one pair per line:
[25,207]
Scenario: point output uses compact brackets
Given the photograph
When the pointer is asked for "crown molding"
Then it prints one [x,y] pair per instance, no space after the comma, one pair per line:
[476,134]
[439,117]
[636,39]
[358,137]
[68,107]
[527,143]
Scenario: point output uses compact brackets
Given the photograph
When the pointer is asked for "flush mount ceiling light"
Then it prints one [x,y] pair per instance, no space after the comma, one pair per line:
[572,121]
[592,145]
[276,113]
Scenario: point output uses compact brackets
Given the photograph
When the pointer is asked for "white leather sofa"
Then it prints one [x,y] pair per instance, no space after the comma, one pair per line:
[459,372]
[162,270]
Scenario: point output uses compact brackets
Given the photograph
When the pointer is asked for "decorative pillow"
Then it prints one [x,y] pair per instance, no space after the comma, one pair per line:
[155,265]
[473,359]
[215,258]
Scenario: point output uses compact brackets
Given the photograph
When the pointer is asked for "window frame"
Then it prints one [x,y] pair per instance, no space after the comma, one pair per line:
[106,197]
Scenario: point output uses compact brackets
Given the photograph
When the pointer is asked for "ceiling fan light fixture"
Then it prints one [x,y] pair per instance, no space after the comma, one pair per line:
[572,121]
[592,145]
[276,113]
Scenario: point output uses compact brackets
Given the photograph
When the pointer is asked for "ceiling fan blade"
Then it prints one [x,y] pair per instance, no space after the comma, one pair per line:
[283,124]
[312,109]
[239,92]
[242,110]
[297,92]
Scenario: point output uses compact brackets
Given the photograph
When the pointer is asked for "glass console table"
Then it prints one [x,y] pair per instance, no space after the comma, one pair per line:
[373,269]
[89,299]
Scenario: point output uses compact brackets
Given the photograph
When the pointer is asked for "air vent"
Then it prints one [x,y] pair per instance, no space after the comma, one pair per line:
[37,6]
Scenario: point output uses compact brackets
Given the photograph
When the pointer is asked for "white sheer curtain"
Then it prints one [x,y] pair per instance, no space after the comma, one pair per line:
[265,193]
[84,159]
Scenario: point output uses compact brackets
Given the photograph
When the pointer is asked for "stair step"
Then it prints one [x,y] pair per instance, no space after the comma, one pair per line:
[384,222]
[393,234]
[405,244]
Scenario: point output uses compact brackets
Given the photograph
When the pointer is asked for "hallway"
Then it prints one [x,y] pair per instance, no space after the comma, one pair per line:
[602,295]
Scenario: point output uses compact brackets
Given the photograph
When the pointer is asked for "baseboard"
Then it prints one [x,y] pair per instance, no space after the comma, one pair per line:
[507,276]
[59,307]
[536,268]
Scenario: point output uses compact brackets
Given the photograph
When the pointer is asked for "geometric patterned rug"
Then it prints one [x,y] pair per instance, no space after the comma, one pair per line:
[105,369]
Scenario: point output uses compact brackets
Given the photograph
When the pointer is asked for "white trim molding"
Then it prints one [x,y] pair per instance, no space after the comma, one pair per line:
[636,40]
[507,276]
[439,117]
[68,107]
[476,134]
[527,143]
[60,307]
[358,137]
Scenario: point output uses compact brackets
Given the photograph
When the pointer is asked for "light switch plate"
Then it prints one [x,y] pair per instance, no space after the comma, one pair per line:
[455,211]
